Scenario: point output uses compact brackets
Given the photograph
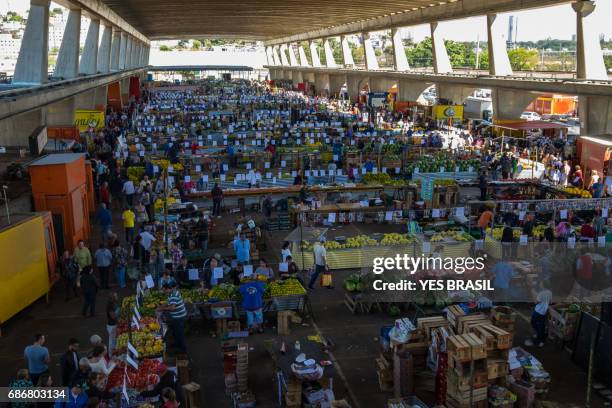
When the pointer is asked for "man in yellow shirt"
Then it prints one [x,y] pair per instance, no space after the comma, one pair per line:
[128,218]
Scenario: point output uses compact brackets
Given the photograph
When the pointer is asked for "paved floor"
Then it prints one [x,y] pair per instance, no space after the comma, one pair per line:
[355,338]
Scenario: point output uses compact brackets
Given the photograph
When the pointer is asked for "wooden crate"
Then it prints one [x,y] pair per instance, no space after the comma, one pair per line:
[463,368]
[496,368]
[503,338]
[192,395]
[466,347]
[283,325]
[462,384]
[427,324]
[452,313]
[466,322]
[486,336]
[384,382]
[463,397]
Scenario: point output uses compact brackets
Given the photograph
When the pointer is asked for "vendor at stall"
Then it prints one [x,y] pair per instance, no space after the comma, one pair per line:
[252,301]
[178,313]
[167,379]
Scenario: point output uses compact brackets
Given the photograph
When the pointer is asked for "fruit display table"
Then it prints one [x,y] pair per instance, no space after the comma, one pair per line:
[357,252]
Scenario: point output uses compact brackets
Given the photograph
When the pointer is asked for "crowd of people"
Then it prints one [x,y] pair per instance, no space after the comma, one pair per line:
[131,251]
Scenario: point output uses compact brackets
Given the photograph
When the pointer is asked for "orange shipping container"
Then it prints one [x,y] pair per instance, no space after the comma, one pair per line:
[59,185]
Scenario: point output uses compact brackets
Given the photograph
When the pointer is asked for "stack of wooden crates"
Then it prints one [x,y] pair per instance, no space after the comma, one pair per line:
[477,355]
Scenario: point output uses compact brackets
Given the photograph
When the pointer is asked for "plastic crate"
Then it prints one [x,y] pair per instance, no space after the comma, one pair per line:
[290,302]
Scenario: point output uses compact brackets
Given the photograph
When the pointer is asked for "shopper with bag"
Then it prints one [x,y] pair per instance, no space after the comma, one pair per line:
[320,266]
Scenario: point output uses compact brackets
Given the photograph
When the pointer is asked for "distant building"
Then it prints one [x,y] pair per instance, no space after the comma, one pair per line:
[9,46]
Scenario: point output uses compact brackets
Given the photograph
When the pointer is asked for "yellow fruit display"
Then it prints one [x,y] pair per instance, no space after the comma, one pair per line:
[538,231]
[578,191]
[286,287]
[397,239]
[458,236]
[146,343]
[496,233]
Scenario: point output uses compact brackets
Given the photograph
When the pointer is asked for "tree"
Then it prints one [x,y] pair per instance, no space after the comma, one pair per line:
[358,53]
[608,61]
[182,44]
[196,45]
[337,50]
[420,55]
[522,59]
[164,47]
[12,16]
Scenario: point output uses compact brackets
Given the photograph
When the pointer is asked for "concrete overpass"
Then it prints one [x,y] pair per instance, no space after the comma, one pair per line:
[117,46]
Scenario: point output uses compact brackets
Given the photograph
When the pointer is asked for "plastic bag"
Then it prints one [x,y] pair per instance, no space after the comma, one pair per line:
[326,280]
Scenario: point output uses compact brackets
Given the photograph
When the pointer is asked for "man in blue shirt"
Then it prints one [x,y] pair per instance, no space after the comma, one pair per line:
[252,301]
[38,358]
[503,273]
[242,248]
[178,313]
[105,219]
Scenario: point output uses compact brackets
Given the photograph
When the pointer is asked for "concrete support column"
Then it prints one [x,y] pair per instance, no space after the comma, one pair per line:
[595,115]
[322,83]
[499,63]
[147,53]
[61,113]
[122,51]
[354,85]
[329,54]
[269,58]
[298,77]
[275,54]
[14,131]
[115,50]
[137,54]
[347,55]
[589,58]
[455,94]
[67,65]
[283,55]
[370,57]
[33,61]
[336,82]
[400,62]
[104,50]
[129,52]
[314,54]
[292,58]
[441,62]
[381,84]
[410,91]
[302,55]
[101,96]
[509,104]
[89,59]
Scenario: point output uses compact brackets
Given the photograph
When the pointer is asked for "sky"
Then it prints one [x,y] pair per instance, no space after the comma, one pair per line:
[557,22]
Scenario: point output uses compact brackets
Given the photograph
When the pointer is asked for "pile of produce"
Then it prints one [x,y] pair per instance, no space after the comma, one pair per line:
[193,295]
[354,283]
[397,239]
[359,241]
[147,307]
[496,233]
[440,182]
[159,203]
[140,380]
[147,344]
[578,192]
[147,324]
[429,164]
[538,231]
[381,178]
[451,236]
[135,174]
[286,287]
[223,292]
[164,164]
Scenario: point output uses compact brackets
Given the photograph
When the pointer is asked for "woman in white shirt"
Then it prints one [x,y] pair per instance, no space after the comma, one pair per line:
[538,317]
[285,251]
[98,363]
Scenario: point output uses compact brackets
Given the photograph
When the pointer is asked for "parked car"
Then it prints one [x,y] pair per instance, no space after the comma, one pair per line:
[530,116]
